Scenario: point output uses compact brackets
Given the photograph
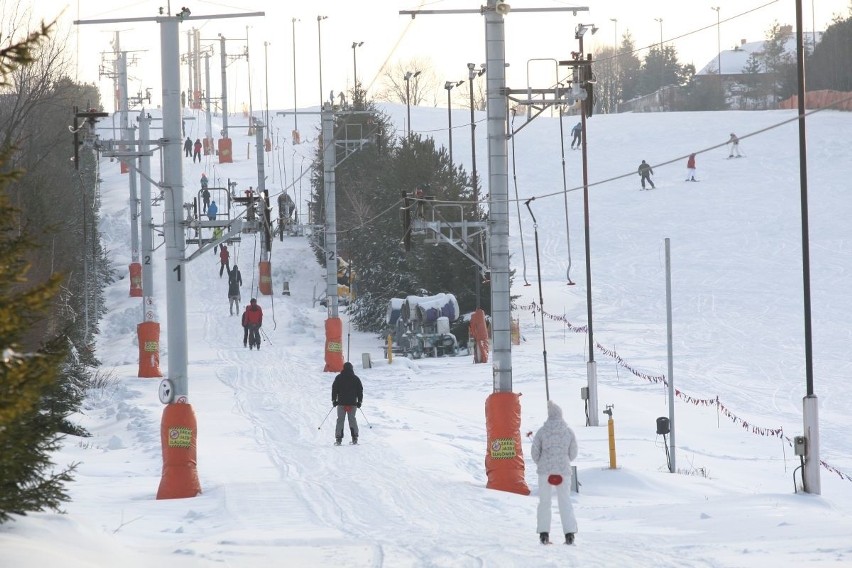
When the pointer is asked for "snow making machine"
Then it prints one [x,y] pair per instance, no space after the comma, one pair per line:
[420,325]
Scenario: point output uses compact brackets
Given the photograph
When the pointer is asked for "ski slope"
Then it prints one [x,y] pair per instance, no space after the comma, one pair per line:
[276,492]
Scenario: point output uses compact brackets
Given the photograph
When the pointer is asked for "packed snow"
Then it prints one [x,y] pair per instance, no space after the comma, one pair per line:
[276,492]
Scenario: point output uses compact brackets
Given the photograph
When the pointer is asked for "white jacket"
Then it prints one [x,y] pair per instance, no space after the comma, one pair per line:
[554,445]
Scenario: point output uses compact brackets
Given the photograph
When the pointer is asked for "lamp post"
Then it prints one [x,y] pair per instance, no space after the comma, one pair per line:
[472,74]
[718,46]
[662,59]
[355,45]
[319,44]
[591,366]
[450,85]
[295,107]
[408,76]
[615,73]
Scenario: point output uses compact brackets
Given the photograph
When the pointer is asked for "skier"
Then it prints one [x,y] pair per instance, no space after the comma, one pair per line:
[690,168]
[187,147]
[735,146]
[252,321]
[212,209]
[224,260]
[205,199]
[645,172]
[347,393]
[554,447]
[235,280]
[577,132]
[217,234]
[204,181]
[197,148]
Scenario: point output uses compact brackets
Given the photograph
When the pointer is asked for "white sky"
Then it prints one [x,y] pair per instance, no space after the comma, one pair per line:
[450,41]
[277,493]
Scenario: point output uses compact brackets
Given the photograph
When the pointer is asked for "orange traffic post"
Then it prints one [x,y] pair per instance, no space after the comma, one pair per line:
[226,155]
[148,336]
[333,345]
[610,426]
[178,434]
[265,283]
[504,460]
[135,280]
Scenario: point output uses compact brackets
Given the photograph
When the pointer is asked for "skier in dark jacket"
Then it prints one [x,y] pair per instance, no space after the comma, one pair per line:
[577,132]
[187,147]
[645,172]
[235,280]
[347,393]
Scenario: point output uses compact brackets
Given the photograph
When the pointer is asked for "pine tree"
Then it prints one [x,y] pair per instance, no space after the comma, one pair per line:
[28,434]
[29,481]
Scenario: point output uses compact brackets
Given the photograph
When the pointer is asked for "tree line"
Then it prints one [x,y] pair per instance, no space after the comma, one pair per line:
[52,267]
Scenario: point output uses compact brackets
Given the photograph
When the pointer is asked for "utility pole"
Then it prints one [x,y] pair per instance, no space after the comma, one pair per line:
[223,61]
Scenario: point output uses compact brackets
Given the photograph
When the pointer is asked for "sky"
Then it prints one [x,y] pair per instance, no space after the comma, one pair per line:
[275,491]
[448,41]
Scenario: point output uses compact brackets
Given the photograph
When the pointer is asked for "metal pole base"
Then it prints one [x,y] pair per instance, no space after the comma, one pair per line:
[810,473]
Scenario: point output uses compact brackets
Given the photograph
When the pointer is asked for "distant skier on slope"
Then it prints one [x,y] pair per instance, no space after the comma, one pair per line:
[252,321]
[645,172]
[577,133]
[690,168]
[347,393]
[235,280]
[554,447]
[735,146]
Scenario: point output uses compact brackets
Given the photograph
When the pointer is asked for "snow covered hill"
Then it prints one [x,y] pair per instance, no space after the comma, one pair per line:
[276,492]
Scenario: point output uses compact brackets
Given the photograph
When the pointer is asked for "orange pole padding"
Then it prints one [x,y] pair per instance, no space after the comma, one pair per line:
[504,460]
[265,284]
[479,333]
[333,345]
[226,155]
[135,280]
[125,168]
[148,336]
[178,435]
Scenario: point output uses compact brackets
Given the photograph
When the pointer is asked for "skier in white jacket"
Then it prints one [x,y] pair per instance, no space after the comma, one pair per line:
[554,448]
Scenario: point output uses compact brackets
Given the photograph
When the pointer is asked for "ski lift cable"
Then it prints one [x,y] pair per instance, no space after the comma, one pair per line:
[564,192]
[518,204]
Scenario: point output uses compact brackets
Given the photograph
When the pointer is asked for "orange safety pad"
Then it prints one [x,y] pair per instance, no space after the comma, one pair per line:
[135,280]
[333,345]
[265,283]
[148,335]
[504,459]
[226,154]
[178,435]
[479,333]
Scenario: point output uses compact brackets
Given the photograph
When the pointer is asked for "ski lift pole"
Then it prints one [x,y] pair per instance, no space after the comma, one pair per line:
[540,297]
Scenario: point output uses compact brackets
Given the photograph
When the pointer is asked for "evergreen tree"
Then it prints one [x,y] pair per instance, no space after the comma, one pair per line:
[33,398]
[28,431]
[828,66]
[753,81]
[629,68]
[369,183]
[778,64]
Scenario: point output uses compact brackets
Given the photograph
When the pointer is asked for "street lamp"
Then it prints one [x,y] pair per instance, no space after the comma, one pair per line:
[319,42]
[450,85]
[718,46]
[408,76]
[615,73]
[295,107]
[472,74]
[591,367]
[355,45]
[661,50]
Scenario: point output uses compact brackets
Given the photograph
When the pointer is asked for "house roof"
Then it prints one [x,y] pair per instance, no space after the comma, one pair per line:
[734,60]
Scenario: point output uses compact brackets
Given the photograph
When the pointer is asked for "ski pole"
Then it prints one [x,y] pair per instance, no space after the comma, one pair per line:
[326,418]
[265,336]
[365,418]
